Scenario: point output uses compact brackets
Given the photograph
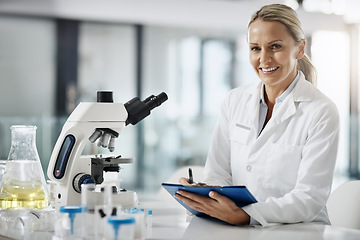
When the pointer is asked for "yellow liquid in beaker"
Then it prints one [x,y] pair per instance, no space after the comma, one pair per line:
[16,194]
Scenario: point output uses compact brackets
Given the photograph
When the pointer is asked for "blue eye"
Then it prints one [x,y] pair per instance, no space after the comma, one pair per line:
[275,46]
[255,49]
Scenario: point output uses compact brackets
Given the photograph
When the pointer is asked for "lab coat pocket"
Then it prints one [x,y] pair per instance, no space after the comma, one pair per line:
[282,166]
[240,133]
[239,137]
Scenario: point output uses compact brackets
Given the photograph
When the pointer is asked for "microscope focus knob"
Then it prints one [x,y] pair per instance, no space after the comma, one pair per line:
[82,178]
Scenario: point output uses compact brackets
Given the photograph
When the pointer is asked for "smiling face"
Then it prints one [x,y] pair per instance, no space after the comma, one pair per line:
[274,53]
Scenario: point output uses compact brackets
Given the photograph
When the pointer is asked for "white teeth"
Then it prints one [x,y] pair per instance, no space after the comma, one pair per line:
[269,69]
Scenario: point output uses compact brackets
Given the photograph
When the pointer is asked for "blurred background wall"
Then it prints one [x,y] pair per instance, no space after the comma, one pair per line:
[54,54]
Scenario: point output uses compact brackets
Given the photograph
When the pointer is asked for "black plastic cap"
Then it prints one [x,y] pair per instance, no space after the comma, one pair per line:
[105,97]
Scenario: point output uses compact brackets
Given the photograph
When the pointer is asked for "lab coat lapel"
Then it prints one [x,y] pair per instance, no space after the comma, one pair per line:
[253,110]
[289,107]
[285,111]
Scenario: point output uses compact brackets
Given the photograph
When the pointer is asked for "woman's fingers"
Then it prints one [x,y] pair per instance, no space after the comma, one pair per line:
[193,200]
[184,181]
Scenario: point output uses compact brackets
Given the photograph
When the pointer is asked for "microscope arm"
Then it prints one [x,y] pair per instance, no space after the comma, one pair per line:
[78,128]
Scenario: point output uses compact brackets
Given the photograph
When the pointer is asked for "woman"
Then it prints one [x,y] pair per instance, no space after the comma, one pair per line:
[278,137]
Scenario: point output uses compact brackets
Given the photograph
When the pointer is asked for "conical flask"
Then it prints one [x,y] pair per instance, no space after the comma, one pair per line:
[23,182]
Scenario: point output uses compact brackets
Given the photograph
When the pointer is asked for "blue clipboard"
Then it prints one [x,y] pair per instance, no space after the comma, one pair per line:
[239,194]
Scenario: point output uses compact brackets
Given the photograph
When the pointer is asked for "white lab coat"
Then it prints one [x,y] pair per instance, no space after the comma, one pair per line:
[289,167]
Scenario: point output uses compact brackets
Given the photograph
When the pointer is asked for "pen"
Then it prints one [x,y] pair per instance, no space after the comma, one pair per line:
[191,180]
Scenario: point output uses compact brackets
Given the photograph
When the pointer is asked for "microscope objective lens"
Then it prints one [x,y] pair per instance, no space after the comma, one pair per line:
[95,136]
[112,144]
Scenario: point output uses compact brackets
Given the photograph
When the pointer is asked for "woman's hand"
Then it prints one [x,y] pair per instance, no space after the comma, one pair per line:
[216,205]
[184,181]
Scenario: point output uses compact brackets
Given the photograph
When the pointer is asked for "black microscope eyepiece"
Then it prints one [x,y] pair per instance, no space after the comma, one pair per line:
[138,110]
[155,101]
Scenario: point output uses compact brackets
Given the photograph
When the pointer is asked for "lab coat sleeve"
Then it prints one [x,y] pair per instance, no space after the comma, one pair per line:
[314,180]
[217,168]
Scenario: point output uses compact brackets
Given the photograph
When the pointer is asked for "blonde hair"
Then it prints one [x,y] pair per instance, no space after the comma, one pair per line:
[287,16]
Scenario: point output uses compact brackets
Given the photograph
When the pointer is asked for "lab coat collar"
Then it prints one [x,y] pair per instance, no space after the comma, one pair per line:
[301,92]
[283,96]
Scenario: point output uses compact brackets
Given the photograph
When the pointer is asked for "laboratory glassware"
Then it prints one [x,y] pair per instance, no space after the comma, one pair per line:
[2,169]
[122,228]
[69,222]
[23,183]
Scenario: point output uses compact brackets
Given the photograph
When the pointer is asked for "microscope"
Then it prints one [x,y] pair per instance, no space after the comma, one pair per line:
[99,121]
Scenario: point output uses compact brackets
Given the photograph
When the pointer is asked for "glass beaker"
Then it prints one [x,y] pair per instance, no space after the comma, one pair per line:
[2,169]
[23,183]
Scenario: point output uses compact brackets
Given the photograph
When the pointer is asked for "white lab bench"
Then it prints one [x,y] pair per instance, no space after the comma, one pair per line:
[170,221]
